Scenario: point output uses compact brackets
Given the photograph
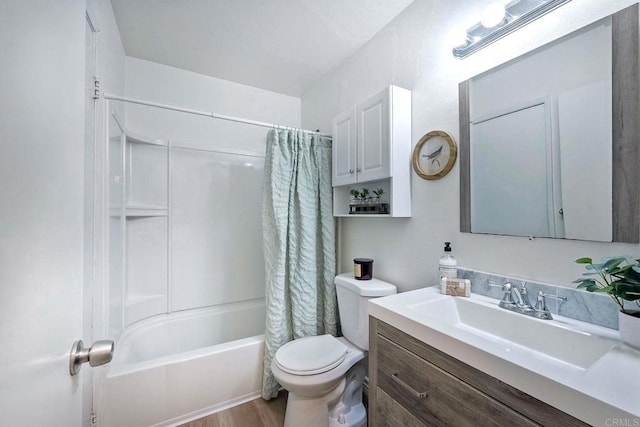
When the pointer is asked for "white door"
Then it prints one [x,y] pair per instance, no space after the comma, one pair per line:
[344,149]
[42,69]
[374,138]
[511,174]
[584,116]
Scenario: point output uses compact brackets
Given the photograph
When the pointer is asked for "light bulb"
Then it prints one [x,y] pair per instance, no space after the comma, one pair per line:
[457,37]
[492,15]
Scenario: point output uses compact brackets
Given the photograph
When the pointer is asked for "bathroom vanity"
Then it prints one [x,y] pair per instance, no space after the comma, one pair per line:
[430,363]
[438,389]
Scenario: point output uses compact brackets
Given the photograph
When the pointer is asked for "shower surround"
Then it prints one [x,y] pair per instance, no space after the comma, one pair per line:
[185,294]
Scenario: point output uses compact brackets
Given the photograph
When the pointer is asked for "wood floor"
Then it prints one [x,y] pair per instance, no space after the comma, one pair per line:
[256,413]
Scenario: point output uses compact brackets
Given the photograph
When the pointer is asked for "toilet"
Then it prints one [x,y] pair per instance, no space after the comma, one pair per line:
[324,374]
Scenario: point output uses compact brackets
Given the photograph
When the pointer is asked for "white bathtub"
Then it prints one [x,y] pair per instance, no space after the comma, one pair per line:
[173,368]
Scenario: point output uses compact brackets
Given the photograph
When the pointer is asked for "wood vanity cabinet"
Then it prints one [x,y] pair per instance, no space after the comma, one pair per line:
[413,384]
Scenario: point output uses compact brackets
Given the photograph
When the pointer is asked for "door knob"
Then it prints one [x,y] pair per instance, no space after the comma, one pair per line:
[100,353]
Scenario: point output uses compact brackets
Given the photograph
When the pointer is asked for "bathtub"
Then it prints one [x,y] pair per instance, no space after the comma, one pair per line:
[173,368]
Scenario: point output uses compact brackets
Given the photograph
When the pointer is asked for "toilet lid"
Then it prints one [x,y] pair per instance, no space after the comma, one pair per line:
[311,355]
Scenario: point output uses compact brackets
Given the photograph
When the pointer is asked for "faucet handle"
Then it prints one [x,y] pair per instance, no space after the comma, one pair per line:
[541,303]
[507,298]
[541,310]
[523,288]
[506,287]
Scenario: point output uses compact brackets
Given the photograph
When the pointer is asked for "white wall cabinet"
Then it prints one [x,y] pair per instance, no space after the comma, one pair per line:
[372,149]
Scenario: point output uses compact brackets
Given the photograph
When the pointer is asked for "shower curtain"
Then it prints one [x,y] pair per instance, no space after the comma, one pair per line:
[299,242]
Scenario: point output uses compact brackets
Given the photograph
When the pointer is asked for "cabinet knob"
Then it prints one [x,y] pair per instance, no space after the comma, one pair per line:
[350,170]
[358,170]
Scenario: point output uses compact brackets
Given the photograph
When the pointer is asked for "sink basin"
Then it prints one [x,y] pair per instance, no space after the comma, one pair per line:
[580,368]
[562,340]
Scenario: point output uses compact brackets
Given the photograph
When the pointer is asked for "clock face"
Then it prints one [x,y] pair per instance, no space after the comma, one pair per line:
[434,155]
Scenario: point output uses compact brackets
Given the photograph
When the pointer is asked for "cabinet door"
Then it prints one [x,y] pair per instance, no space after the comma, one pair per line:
[374,138]
[434,396]
[344,149]
[416,384]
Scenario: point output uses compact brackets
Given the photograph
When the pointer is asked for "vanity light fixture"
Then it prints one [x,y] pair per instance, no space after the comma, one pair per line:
[493,15]
[497,21]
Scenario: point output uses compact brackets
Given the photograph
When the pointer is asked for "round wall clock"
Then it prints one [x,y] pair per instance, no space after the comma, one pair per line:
[434,155]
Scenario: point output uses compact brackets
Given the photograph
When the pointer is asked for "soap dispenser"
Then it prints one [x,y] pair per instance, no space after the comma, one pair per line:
[448,266]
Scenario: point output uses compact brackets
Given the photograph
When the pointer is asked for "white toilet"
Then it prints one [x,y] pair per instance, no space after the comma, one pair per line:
[324,374]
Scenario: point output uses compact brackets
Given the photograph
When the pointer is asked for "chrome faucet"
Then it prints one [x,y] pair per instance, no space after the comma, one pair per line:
[517,299]
[507,301]
[522,298]
[541,311]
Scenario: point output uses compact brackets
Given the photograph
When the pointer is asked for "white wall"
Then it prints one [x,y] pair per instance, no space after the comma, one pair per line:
[41,210]
[168,85]
[216,229]
[414,51]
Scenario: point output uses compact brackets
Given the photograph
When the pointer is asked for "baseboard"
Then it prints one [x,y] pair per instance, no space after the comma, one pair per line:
[210,410]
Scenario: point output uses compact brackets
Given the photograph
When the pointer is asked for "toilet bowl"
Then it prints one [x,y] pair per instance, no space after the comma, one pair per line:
[324,374]
[317,389]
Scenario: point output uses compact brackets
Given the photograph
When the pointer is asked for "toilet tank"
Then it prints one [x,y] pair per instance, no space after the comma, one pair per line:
[352,302]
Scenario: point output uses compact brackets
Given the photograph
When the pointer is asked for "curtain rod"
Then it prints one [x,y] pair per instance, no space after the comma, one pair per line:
[202,113]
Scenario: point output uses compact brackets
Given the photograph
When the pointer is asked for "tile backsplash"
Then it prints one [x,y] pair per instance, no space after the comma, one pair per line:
[590,307]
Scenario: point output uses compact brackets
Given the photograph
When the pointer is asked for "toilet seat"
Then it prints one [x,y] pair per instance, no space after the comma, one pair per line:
[311,355]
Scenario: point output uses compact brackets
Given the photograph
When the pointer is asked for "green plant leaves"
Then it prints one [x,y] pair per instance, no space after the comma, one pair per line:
[627,291]
[589,284]
[613,263]
[631,276]
[621,277]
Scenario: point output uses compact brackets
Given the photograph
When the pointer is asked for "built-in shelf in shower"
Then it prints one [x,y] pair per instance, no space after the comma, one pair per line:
[146,212]
[138,199]
[141,299]
[142,306]
[140,212]
[136,138]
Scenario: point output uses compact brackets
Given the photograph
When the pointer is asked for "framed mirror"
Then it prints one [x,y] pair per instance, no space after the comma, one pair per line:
[549,141]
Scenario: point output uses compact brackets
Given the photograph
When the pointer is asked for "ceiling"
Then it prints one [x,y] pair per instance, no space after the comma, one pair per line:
[278,45]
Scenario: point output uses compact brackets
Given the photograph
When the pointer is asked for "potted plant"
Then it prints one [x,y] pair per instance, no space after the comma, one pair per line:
[354,194]
[379,192]
[364,195]
[619,277]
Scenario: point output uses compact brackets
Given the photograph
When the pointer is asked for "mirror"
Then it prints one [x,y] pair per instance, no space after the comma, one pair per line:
[549,140]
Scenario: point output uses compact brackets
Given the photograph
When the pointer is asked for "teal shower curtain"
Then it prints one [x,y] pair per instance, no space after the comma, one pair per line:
[299,242]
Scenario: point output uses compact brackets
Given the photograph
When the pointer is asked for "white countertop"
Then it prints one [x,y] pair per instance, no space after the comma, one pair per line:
[606,393]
